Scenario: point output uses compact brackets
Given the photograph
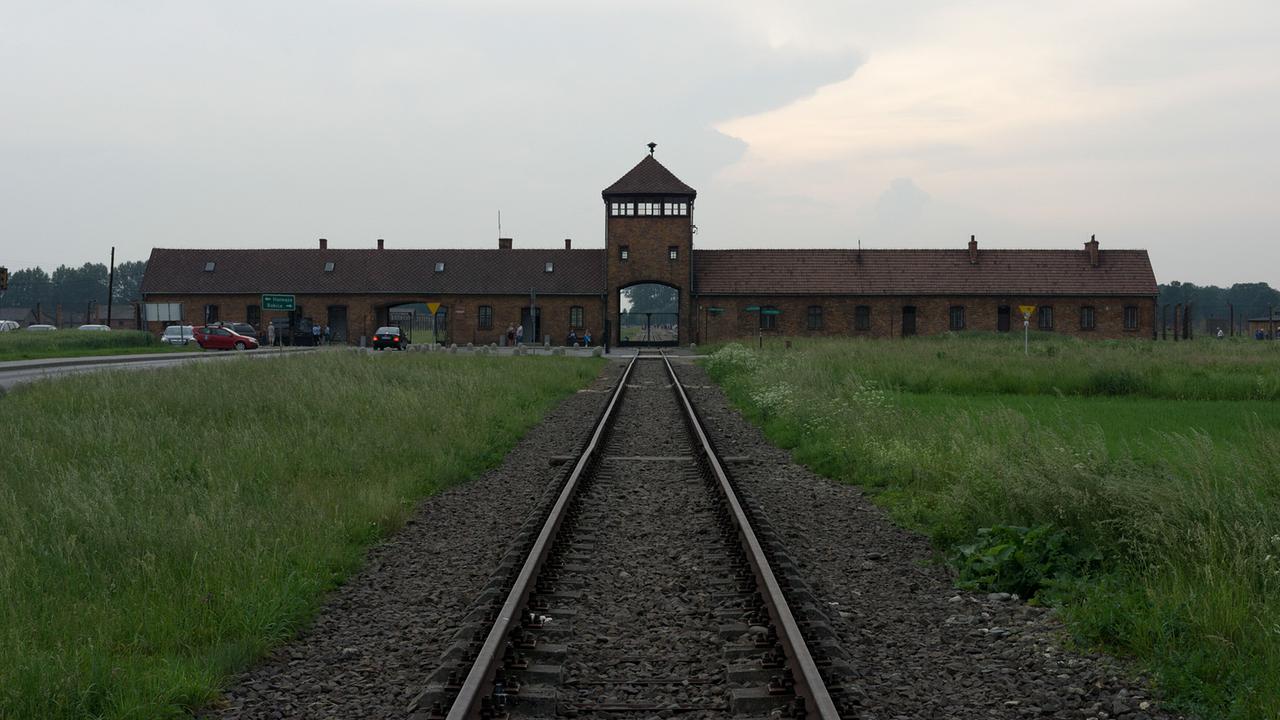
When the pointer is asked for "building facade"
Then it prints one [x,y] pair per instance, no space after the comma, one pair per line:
[650,286]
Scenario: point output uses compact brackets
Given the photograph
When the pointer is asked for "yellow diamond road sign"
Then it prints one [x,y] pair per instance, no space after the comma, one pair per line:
[1026,310]
[433,307]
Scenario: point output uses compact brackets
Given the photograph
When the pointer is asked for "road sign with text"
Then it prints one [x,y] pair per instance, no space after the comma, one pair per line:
[278,302]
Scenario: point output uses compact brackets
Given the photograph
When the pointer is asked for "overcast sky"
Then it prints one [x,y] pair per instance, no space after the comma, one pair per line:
[818,124]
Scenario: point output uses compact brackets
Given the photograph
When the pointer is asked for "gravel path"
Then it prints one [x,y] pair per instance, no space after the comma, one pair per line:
[644,631]
[379,635]
[919,648]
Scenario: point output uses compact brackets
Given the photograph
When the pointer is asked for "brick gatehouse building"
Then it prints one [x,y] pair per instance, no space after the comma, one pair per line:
[649,285]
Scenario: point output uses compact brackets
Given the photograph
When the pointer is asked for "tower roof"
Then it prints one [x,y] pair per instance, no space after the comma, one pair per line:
[649,177]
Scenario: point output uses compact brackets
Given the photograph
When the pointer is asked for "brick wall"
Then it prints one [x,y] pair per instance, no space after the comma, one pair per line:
[648,240]
[366,312]
[932,315]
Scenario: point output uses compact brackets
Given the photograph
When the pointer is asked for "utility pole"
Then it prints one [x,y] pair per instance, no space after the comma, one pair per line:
[111,283]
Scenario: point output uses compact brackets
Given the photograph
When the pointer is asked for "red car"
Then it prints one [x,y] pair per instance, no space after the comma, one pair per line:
[223,338]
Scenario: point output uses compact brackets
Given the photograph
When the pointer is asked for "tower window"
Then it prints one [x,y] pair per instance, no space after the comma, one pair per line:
[673,252]
[624,253]
[622,208]
[648,208]
[677,209]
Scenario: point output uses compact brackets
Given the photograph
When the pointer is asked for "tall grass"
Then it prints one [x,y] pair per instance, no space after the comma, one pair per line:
[162,529]
[24,345]
[1183,523]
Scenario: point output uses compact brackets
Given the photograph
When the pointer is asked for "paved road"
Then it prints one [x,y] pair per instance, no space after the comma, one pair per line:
[20,371]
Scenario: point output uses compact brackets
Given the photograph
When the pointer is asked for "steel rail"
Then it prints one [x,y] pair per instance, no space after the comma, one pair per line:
[479,680]
[809,682]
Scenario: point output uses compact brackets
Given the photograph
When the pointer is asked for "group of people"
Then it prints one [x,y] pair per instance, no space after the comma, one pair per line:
[515,336]
[319,334]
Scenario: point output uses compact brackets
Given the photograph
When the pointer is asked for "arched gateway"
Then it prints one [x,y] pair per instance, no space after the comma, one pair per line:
[649,247]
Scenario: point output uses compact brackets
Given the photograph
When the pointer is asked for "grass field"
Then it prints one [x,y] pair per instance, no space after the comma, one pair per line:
[1133,484]
[160,530]
[23,345]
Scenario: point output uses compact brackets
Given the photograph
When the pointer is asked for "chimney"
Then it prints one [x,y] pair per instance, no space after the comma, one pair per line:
[324,244]
[504,243]
[973,250]
[1092,247]
[380,243]
[568,243]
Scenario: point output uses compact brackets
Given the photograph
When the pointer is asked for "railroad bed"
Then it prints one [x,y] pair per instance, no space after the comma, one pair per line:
[642,585]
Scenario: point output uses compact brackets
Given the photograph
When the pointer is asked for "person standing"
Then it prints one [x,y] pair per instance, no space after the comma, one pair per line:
[271,333]
[520,334]
[511,335]
[328,334]
[315,334]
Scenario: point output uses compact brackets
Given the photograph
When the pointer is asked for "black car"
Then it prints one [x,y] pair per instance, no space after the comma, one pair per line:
[389,336]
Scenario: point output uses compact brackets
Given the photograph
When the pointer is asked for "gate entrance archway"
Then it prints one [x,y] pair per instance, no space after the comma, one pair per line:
[649,314]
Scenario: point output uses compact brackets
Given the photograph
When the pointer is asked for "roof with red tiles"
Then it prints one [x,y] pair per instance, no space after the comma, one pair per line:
[921,272]
[302,271]
[649,177]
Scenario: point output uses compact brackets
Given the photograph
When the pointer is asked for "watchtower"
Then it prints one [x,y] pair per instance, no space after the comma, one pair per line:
[649,251]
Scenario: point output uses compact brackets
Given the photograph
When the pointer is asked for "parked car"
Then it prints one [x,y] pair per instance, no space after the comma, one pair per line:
[212,337]
[239,327]
[94,328]
[41,328]
[8,325]
[178,334]
[389,336]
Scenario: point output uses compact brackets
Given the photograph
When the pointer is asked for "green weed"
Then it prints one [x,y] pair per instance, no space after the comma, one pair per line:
[160,530]
[1133,483]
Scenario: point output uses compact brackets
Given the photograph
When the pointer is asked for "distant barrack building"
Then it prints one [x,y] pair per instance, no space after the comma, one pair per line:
[649,286]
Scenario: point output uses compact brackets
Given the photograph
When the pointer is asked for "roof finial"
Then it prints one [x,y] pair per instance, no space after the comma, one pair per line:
[652,146]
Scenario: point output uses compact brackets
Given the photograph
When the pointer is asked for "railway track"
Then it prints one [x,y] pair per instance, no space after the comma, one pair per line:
[642,585]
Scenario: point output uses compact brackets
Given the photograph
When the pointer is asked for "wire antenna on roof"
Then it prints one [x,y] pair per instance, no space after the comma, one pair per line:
[499,224]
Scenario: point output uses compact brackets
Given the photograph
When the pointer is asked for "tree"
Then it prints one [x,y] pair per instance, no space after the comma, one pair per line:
[128,285]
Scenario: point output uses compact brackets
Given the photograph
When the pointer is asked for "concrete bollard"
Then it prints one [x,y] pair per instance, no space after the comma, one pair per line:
[453,349]
[597,351]
[693,347]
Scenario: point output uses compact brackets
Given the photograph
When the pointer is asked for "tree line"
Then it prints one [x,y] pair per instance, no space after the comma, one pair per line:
[1210,302]
[74,288]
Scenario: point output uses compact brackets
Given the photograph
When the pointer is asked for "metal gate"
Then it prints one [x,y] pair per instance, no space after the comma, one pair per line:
[641,328]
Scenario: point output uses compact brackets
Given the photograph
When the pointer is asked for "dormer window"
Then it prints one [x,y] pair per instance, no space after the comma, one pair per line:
[328,267]
[439,267]
[550,267]
[208,267]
